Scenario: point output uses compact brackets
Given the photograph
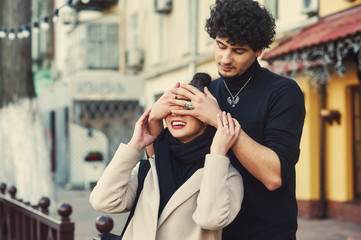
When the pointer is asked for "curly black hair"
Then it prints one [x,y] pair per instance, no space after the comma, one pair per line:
[243,22]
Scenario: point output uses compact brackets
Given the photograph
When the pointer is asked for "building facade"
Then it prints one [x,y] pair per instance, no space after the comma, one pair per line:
[91,105]
[103,86]
[324,58]
[165,42]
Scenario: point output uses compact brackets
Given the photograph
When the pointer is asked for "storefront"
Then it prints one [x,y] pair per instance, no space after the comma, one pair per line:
[325,59]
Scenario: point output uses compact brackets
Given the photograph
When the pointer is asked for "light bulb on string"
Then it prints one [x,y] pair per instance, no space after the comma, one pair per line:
[26,32]
[45,23]
[68,13]
[56,16]
[2,32]
[36,27]
[11,34]
[19,33]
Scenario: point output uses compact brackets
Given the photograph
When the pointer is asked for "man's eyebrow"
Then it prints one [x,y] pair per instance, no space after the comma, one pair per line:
[234,48]
[219,41]
[240,48]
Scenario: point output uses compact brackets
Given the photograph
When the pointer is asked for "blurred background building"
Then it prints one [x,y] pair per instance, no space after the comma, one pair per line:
[104,61]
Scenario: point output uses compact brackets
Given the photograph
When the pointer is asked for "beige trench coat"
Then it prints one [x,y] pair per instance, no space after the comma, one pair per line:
[207,202]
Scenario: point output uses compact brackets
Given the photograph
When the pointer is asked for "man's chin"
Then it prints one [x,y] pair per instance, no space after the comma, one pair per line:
[226,74]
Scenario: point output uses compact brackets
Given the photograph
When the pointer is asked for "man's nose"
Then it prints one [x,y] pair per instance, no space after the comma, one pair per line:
[227,57]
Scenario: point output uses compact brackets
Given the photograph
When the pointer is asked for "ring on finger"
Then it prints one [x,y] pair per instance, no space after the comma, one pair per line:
[188,105]
[226,123]
[175,96]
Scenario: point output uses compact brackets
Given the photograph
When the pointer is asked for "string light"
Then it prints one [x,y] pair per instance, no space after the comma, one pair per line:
[11,34]
[23,31]
[26,32]
[69,3]
[36,27]
[2,33]
[19,33]
[45,23]
[56,16]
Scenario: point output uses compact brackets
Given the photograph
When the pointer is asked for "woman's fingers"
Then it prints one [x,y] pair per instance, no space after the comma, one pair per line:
[219,121]
[186,91]
[144,117]
[237,127]
[229,124]
[225,119]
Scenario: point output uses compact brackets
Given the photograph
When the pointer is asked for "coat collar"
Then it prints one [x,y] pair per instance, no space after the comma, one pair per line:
[187,190]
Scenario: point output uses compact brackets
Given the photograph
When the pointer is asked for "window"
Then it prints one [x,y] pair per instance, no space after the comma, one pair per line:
[93,46]
[102,46]
[272,7]
[163,6]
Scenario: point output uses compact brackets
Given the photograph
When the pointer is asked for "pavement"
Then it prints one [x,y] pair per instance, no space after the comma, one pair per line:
[84,217]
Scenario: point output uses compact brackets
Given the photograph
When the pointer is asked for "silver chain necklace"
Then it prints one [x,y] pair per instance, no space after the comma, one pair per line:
[233,100]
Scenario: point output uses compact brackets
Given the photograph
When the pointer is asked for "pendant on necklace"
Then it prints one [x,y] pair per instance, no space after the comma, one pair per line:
[233,101]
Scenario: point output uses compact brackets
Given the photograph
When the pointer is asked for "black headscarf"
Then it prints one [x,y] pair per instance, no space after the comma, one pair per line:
[176,161]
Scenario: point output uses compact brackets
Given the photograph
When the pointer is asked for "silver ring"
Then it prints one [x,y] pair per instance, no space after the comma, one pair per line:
[175,96]
[226,123]
[188,105]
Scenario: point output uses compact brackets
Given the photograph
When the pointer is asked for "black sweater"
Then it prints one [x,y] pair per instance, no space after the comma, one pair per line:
[271,111]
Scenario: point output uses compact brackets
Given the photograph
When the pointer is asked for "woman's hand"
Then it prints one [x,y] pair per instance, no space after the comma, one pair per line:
[228,130]
[141,137]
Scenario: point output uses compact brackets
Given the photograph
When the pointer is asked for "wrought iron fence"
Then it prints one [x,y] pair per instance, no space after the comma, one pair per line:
[20,220]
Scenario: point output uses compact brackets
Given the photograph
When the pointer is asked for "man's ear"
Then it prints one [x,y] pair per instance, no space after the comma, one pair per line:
[258,53]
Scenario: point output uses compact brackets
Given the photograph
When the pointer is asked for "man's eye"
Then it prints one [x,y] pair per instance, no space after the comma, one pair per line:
[221,46]
[238,51]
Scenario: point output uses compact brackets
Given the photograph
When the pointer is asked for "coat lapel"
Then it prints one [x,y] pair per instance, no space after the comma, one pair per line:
[188,189]
[155,198]
[146,216]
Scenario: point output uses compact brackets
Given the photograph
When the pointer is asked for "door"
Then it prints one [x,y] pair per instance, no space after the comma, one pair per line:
[356,119]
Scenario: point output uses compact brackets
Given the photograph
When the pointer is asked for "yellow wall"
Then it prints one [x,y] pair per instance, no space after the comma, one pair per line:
[307,168]
[339,165]
[327,7]
[339,161]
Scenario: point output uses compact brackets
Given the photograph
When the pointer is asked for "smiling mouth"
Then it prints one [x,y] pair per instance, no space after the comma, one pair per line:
[178,124]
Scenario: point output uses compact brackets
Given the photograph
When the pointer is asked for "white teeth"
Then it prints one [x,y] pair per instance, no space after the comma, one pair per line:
[178,124]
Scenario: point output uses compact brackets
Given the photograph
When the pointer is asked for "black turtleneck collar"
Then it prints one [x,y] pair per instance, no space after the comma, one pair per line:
[237,82]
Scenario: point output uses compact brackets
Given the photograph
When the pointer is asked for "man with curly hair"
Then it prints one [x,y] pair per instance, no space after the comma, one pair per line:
[270,109]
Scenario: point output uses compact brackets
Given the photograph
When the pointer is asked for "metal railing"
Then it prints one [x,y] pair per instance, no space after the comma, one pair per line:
[19,220]
[103,224]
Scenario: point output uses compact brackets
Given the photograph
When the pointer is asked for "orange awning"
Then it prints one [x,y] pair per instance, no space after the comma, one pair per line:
[330,28]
